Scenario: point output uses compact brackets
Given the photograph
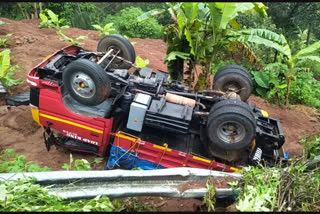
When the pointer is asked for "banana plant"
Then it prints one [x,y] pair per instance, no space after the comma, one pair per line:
[7,71]
[202,31]
[51,21]
[104,31]
[269,83]
[5,41]
[68,39]
[141,63]
[292,63]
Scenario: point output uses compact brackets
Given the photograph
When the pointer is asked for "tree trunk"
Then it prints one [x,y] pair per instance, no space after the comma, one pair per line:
[175,69]
[309,34]
[288,91]
[275,56]
[27,15]
[79,8]
[22,11]
[35,11]
[40,7]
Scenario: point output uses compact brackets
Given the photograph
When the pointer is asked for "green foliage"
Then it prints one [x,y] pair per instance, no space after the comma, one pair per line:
[269,84]
[82,15]
[2,22]
[141,63]
[26,196]
[51,21]
[275,190]
[299,42]
[204,31]
[104,31]
[305,90]
[174,54]
[311,146]
[255,21]
[137,168]
[218,63]
[131,204]
[77,165]
[259,189]
[126,22]
[289,16]
[292,62]
[68,39]
[209,199]
[6,70]
[4,42]
[11,162]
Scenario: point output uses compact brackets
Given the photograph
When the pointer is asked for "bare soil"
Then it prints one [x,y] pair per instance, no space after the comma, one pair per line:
[296,122]
[29,45]
[217,183]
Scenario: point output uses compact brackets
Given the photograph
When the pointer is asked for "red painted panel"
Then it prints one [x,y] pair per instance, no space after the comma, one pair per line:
[169,158]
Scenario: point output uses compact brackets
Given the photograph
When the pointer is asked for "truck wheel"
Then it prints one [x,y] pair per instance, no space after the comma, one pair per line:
[231,102]
[86,82]
[117,43]
[231,128]
[233,66]
[233,79]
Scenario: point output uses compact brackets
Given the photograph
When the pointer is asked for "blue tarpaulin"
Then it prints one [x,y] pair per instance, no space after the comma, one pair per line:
[120,157]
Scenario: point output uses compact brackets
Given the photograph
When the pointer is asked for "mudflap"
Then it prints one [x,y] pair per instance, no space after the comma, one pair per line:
[68,143]
[50,140]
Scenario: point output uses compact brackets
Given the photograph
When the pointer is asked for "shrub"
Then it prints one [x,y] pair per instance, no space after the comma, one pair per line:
[7,71]
[105,30]
[4,42]
[68,39]
[126,23]
[141,63]
[275,190]
[311,146]
[305,90]
[51,21]
[12,162]
[24,195]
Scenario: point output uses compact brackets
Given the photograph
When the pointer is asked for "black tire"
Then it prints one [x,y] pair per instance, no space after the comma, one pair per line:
[231,102]
[100,86]
[117,42]
[233,66]
[232,80]
[241,122]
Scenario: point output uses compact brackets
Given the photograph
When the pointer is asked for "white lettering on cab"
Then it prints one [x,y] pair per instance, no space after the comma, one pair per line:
[76,137]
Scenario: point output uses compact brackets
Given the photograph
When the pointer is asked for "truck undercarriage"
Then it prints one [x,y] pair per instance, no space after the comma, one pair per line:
[101,103]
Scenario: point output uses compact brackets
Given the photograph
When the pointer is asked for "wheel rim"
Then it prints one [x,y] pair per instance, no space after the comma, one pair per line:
[231,132]
[116,63]
[83,85]
[232,87]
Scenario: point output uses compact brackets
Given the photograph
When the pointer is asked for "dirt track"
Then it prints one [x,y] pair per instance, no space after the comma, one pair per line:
[29,45]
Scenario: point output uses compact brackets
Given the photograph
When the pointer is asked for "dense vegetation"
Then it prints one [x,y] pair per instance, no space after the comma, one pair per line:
[276,189]
[276,41]
[25,195]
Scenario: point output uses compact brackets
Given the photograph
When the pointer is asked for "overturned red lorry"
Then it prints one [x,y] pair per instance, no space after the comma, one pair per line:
[101,103]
